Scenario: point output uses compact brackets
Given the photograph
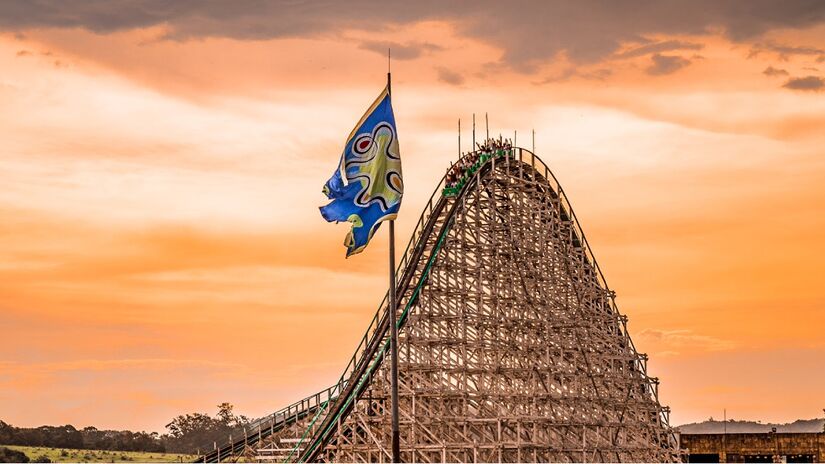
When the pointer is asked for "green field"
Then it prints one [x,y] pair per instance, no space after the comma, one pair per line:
[75,455]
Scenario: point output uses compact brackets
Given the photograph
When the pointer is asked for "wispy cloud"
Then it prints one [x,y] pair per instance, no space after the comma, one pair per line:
[677,341]
[116,364]
[771,71]
[449,77]
[666,64]
[785,52]
[598,74]
[658,47]
[810,83]
[399,51]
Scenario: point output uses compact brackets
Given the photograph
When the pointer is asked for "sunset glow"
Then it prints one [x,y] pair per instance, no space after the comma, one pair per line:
[161,249]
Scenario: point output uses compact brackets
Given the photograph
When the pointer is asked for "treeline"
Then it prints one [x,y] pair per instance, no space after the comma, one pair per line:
[188,433]
[746,426]
[66,436]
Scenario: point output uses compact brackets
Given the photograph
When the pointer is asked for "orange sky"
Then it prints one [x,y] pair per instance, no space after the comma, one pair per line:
[161,249]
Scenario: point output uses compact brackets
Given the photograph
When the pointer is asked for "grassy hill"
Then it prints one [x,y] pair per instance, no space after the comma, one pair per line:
[80,455]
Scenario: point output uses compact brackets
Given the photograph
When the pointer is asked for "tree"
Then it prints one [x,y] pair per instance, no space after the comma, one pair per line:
[190,432]
[188,424]
[225,413]
[226,416]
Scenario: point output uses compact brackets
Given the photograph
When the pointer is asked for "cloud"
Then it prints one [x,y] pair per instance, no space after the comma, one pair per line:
[666,64]
[111,364]
[449,77]
[771,71]
[785,52]
[813,83]
[585,31]
[658,47]
[677,340]
[409,51]
[572,72]
[597,74]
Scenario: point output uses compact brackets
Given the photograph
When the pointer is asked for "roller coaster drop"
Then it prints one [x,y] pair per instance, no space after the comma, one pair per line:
[511,347]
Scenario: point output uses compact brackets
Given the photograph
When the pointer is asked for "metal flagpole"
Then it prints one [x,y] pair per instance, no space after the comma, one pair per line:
[396,445]
[459,137]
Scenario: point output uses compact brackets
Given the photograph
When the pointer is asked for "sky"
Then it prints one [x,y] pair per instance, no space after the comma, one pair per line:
[161,166]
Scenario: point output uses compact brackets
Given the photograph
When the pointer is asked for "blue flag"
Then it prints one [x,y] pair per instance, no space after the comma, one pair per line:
[366,188]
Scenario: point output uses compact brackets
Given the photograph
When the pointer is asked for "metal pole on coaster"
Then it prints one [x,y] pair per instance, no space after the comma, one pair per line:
[473,148]
[487,125]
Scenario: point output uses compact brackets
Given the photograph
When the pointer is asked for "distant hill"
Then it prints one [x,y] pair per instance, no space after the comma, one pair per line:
[734,426]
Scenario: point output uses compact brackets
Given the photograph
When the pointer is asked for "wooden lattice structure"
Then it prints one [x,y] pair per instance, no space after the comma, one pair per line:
[511,348]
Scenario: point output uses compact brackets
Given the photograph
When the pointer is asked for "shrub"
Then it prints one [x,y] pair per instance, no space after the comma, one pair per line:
[10,455]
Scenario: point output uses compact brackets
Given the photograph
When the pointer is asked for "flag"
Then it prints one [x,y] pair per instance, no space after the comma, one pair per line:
[366,188]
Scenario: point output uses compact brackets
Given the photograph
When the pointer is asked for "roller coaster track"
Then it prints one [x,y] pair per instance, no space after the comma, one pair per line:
[325,410]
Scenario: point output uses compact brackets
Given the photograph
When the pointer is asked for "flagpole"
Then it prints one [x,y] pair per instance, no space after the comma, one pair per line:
[396,444]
